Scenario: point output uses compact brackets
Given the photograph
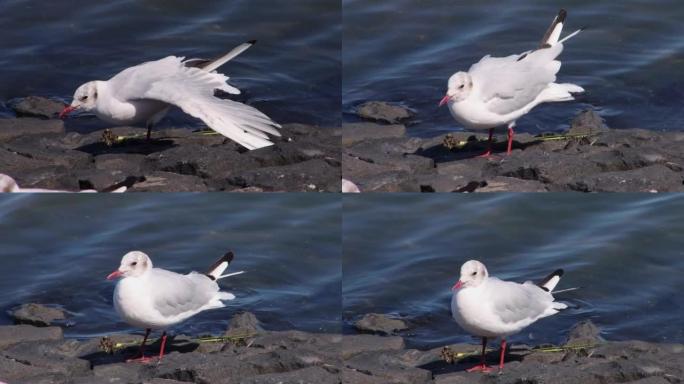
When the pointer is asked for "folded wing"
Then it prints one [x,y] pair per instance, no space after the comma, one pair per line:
[507,84]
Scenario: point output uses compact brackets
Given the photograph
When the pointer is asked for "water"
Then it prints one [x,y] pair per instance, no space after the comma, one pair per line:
[629,60]
[292,74]
[402,254]
[57,249]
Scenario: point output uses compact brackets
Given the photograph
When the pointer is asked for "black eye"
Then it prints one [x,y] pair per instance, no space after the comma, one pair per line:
[84,98]
[134,263]
[461,87]
[473,274]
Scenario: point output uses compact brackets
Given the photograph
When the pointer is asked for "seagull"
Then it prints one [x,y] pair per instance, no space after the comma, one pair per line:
[498,91]
[488,307]
[143,94]
[9,185]
[154,298]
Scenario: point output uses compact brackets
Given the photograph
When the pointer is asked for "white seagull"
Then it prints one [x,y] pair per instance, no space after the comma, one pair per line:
[144,93]
[489,308]
[497,91]
[154,298]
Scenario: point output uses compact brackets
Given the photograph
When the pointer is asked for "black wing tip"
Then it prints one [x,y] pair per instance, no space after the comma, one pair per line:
[228,257]
[252,42]
[562,15]
[558,272]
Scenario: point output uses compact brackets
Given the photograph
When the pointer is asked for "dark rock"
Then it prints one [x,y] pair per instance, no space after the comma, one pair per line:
[655,178]
[12,334]
[355,344]
[169,182]
[202,161]
[37,314]
[382,111]
[584,333]
[12,128]
[357,132]
[587,123]
[379,323]
[305,375]
[309,176]
[244,323]
[36,106]
[511,184]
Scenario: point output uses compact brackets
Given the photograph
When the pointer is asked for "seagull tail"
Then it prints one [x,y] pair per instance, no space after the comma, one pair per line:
[220,266]
[552,34]
[559,92]
[218,62]
[550,281]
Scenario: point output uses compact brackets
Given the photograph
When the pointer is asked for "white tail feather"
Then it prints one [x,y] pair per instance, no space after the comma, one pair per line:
[228,56]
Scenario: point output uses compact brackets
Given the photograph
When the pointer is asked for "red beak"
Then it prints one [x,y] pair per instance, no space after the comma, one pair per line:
[445,100]
[458,285]
[67,110]
[114,275]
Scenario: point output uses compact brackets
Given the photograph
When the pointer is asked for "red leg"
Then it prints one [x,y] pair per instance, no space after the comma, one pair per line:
[510,139]
[142,357]
[503,352]
[489,144]
[482,367]
[163,345]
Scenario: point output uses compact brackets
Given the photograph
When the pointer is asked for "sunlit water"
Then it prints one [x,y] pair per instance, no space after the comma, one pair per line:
[629,59]
[293,74]
[57,250]
[402,254]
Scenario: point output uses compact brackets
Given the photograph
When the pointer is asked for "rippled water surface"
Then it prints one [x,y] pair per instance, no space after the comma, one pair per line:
[630,59]
[402,254]
[57,249]
[293,74]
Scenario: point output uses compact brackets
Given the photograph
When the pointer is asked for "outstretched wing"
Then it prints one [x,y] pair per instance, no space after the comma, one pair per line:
[192,89]
[507,84]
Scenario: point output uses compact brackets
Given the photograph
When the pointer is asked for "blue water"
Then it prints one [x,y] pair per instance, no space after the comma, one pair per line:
[629,60]
[293,74]
[58,249]
[403,253]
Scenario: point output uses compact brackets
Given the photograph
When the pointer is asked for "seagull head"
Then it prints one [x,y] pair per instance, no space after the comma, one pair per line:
[85,99]
[473,273]
[133,264]
[460,85]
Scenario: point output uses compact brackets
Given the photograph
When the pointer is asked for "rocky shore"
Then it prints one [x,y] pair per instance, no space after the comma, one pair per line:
[590,157]
[38,152]
[245,354]
[584,358]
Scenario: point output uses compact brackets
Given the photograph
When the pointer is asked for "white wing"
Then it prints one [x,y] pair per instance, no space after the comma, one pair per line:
[192,90]
[514,303]
[507,84]
[174,294]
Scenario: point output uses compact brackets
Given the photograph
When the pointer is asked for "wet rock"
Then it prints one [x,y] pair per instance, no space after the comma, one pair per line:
[36,106]
[379,323]
[244,323]
[30,149]
[12,334]
[37,314]
[357,132]
[511,184]
[168,181]
[656,178]
[310,176]
[584,333]
[587,123]
[383,111]
[13,128]
[305,375]
[355,344]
